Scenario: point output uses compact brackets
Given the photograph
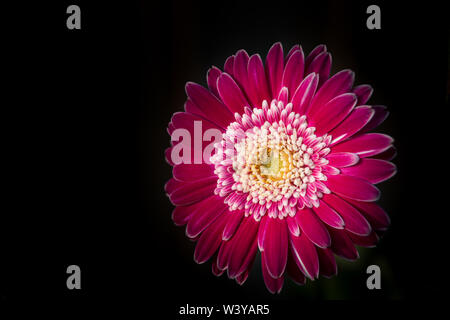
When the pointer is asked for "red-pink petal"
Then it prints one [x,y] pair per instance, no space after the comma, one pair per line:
[376,216]
[283,96]
[359,117]
[342,245]
[240,69]
[363,92]
[211,77]
[365,145]
[293,72]
[305,255]
[372,170]
[172,185]
[189,193]
[327,262]
[322,66]
[205,213]
[210,106]
[292,225]
[292,51]
[329,215]
[192,172]
[229,65]
[262,232]
[311,225]
[275,68]
[181,214]
[258,86]
[353,219]
[305,92]
[314,53]
[332,113]
[387,155]
[381,113]
[353,188]
[275,246]
[244,247]
[233,224]
[273,285]
[338,84]
[231,94]
[342,159]
[293,270]
[368,241]
[210,239]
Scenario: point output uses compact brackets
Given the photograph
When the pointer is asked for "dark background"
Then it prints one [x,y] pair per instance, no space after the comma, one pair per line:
[88,134]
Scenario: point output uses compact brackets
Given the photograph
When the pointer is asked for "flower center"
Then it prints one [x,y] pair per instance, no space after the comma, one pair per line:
[274,159]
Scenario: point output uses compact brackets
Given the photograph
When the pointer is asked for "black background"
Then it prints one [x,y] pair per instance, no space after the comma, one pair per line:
[88,133]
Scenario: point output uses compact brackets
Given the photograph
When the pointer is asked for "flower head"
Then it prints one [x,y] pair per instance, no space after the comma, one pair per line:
[290,171]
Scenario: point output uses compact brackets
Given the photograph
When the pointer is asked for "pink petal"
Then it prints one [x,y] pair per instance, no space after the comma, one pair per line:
[359,117]
[293,271]
[229,65]
[275,68]
[338,84]
[354,221]
[314,53]
[233,224]
[192,172]
[363,92]
[327,262]
[172,185]
[215,270]
[244,247]
[342,245]
[329,216]
[209,105]
[262,232]
[258,86]
[331,114]
[284,95]
[311,225]
[353,188]
[205,213]
[372,170]
[292,225]
[342,159]
[322,66]
[293,72]
[240,69]
[189,193]
[273,285]
[275,246]
[291,52]
[231,94]
[369,241]
[381,113]
[182,214]
[376,216]
[305,255]
[304,94]
[211,77]
[168,156]
[365,145]
[224,254]
[240,279]
[387,155]
[210,240]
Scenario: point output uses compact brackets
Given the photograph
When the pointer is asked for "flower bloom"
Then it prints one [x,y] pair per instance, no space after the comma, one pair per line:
[292,173]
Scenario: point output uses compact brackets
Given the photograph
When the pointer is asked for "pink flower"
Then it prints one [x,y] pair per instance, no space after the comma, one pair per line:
[293,170]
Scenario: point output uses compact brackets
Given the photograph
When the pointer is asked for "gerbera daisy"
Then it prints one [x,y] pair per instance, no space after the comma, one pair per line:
[292,175]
